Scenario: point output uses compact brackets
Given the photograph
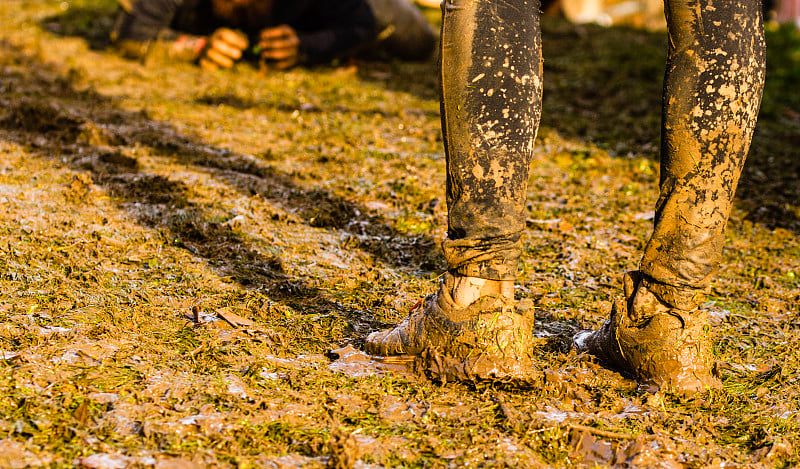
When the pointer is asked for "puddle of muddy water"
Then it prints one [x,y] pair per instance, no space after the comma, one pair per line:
[356,364]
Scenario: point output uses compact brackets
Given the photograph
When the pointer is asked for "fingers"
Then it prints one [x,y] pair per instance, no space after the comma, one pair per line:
[208,65]
[279,53]
[279,46]
[280,58]
[224,48]
[283,30]
[234,38]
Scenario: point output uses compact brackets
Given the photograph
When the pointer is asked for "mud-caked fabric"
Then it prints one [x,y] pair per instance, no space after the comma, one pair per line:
[712,92]
[491,90]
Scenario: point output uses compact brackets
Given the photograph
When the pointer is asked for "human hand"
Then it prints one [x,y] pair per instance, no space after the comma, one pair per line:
[187,48]
[223,49]
[279,47]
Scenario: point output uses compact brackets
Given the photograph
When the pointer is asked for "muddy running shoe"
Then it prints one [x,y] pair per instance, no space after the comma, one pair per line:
[487,340]
[661,346]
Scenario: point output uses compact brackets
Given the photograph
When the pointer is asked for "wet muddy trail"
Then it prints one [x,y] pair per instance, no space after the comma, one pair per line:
[191,262]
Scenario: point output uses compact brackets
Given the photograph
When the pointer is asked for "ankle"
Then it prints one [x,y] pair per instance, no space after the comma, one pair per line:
[643,304]
[466,290]
[643,292]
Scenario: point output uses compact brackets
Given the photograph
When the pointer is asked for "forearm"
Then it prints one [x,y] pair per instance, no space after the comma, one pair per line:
[140,24]
[324,46]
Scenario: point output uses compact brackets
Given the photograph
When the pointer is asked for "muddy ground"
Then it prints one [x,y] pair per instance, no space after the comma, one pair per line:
[181,252]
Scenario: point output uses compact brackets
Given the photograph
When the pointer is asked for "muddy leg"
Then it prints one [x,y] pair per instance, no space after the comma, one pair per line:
[491,102]
[712,92]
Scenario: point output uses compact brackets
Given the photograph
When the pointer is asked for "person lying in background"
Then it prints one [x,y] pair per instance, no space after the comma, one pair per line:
[280,34]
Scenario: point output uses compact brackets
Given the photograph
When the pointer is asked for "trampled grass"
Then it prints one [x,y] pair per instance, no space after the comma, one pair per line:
[181,251]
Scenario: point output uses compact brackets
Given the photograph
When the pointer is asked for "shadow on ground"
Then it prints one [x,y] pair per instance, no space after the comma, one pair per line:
[45,113]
